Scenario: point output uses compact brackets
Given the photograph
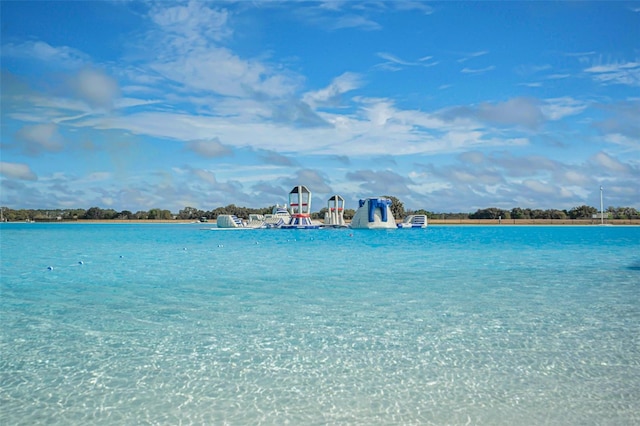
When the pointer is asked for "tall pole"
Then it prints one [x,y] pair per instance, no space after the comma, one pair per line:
[601,208]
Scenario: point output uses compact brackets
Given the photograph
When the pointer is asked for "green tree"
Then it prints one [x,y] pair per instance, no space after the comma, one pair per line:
[491,213]
[349,214]
[397,208]
[518,213]
[93,213]
[109,214]
[189,213]
[159,214]
[320,214]
[582,212]
[557,214]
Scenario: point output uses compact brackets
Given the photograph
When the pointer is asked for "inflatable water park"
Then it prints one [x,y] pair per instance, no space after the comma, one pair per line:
[372,213]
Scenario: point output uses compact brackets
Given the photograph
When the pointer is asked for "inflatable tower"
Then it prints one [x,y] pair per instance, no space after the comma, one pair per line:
[374,213]
[335,212]
[300,207]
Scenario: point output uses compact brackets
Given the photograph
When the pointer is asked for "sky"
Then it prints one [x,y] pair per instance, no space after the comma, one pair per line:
[448,106]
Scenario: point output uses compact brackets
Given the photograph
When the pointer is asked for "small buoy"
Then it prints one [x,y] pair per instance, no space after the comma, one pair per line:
[50,268]
[184,248]
[81,263]
[121,256]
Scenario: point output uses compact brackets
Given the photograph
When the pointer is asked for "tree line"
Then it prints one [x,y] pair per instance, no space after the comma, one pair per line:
[581,212]
[397,208]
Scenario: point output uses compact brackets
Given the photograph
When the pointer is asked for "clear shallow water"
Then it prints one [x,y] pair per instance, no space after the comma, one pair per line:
[176,324]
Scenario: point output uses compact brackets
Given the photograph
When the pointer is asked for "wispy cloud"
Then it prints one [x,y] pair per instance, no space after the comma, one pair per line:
[466,70]
[394,63]
[413,5]
[527,70]
[332,94]
[188,52]
[392,58]
[558,76]
[472,55]
[54,56]
[626,73]
[559,108]
[355,21]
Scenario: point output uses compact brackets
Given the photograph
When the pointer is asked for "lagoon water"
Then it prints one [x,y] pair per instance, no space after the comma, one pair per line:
[450,325]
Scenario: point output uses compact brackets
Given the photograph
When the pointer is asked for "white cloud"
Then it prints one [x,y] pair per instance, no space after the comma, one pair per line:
[193,20]
[558,108]
[354,21]
[624,141]
[574,177]
[609,163]
[394,63]
[413,5]
[99,176]
[540,188]
[331,95]
[516,111]
[218,70]
[61,56]
[206,176]
[472,55]
[40,137]
[96,88]
[392,58]
[187,50]
[17,171]
[626,73]
[466,70]
[210,148]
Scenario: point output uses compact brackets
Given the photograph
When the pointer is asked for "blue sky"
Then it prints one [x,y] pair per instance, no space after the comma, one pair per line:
[449,106]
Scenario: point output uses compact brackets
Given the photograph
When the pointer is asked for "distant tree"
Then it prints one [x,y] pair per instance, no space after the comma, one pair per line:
[141,214]
[623,213]
[74,214]
[582,212]
[159,214]
[109,214]
[320,214]
[93,213]
[518,213]
[397,208]
[189,213]
[423,211]
[557,214]
[490,213]
[349,213]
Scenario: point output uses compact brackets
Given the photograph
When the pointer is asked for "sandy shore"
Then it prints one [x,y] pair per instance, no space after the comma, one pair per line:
[434,221]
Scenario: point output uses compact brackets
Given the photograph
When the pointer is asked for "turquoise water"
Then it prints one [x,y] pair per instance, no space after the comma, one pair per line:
[181,324]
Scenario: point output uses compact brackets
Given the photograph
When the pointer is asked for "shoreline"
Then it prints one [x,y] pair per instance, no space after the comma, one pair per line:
[493,222]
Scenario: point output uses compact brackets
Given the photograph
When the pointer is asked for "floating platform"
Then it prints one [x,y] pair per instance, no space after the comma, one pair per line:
[374,213]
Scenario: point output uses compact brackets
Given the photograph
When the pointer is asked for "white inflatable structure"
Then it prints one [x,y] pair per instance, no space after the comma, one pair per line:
[334,217]
[229,221]
[374,213]
[300,206]
[414,221]
[278,217]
